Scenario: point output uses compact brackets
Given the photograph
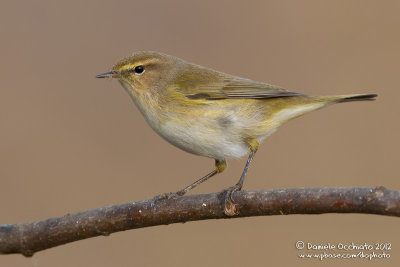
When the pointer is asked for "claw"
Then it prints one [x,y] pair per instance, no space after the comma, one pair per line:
[230,208]
[167,196]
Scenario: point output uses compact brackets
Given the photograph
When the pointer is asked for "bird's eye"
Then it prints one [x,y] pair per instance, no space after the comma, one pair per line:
[139,69]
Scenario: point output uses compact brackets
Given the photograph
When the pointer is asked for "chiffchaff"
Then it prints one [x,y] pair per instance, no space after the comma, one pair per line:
[210,113]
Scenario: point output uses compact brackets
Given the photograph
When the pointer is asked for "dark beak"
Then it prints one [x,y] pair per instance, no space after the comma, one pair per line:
[110,74]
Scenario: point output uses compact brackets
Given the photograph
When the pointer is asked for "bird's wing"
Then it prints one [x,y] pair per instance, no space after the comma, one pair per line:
[236,88]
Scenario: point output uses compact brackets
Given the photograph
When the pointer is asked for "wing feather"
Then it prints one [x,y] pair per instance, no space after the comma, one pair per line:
[237,88]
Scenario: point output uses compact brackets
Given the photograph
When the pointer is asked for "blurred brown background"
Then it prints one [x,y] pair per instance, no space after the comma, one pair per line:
[70,142]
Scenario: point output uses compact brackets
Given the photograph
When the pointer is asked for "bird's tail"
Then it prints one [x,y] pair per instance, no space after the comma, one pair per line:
[304,104]
[348,98]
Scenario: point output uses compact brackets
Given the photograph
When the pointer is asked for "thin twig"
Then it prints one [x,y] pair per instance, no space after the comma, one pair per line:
[28,238]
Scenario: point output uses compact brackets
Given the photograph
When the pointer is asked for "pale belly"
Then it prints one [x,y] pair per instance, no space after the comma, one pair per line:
[224,135]
[205,139]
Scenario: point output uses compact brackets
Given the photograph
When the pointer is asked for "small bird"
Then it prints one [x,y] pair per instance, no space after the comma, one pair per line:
[210,113]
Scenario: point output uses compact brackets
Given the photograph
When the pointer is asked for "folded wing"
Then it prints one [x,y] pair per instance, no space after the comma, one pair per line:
[236,88]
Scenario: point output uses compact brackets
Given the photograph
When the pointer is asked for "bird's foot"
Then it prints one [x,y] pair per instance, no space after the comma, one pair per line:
[167,196]
[230,208]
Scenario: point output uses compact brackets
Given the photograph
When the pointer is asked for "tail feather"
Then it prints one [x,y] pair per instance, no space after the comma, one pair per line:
[307,104]
[364,97]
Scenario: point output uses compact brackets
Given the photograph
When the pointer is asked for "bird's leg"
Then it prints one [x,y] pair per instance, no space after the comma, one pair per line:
[220,166]
[230,206]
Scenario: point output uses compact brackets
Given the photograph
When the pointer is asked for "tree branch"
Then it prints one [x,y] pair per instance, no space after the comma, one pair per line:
[28,238]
